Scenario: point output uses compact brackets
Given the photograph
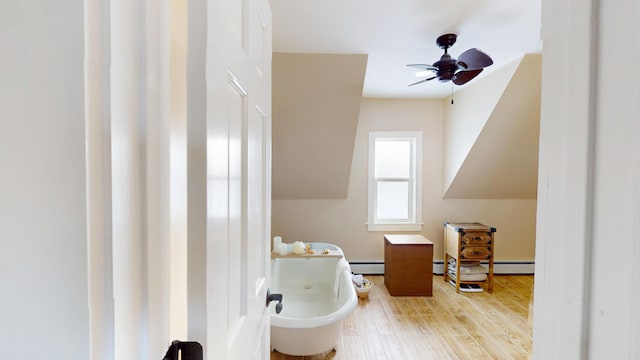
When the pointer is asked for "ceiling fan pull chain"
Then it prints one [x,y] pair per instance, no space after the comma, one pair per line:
[451,93]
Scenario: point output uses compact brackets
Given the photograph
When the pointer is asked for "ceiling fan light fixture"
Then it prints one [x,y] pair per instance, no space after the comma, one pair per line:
[424,73]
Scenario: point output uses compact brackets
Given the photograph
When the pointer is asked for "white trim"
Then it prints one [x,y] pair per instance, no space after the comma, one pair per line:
[98,179]
[394,227]
[368,268]
[499,267]
[414,222]
[564,221]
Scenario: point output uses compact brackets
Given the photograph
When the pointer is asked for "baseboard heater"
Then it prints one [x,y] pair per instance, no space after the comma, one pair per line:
[499,267]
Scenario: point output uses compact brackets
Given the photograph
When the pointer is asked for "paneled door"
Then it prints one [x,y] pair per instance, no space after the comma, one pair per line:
[238,78]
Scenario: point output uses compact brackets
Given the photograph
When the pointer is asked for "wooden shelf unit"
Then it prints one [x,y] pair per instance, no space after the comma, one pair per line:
[468,243]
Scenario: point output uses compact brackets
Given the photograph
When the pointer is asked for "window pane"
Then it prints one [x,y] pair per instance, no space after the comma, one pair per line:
[393,200]
[393,158]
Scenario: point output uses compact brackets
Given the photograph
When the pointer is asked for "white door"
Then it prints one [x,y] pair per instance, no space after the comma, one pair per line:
[238,66]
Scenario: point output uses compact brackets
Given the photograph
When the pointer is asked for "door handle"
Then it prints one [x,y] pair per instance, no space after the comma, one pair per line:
[185,350]
[274,297]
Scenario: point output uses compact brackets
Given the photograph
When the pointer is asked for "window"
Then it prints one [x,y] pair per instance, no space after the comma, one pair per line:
[395,182]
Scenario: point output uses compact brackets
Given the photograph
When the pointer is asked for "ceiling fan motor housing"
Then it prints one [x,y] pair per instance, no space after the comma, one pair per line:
[446,68]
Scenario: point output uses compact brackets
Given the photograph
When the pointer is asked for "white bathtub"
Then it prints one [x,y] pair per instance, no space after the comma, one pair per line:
[317,296]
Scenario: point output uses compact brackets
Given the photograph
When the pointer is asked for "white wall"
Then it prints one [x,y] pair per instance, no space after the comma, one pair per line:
[587,292]
[43,268]
[615,272]
[343,221]
[84,207]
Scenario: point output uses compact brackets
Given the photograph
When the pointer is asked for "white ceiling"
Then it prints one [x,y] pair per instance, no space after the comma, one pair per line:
[396,33]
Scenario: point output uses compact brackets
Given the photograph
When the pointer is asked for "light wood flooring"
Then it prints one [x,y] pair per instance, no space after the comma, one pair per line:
[444,326]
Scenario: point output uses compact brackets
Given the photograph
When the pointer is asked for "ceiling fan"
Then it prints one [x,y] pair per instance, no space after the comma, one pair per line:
[459,71]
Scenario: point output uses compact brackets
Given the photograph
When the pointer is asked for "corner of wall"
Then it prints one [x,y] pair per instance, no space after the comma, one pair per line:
[465,119]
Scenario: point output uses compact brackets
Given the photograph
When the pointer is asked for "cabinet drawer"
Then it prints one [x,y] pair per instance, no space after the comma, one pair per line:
[476,238]
[475,252]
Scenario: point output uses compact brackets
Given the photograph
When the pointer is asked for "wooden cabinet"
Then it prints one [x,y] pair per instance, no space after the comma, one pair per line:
[468,243]
[408,265]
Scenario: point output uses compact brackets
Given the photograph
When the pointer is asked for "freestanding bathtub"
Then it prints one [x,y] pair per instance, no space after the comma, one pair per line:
[317,295]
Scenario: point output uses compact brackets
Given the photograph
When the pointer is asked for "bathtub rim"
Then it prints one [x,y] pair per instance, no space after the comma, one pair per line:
[335,250]
[303,323]
[349,305]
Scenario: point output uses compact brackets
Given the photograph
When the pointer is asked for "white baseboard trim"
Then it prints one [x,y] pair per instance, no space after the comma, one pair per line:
[499,267]
[367,267]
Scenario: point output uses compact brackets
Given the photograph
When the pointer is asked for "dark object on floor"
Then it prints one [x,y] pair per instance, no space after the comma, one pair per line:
[190,350]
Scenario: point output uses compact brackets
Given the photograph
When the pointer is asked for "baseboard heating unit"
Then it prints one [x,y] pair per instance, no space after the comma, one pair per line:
[499,267]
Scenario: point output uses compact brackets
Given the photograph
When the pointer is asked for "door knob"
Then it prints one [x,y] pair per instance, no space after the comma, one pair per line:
[274,297]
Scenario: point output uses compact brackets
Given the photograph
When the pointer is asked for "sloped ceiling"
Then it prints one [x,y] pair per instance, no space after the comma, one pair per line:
[502,163]
[396,33]
[316,105]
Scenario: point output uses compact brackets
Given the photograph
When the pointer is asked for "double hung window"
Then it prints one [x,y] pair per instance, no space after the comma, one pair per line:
[395,181]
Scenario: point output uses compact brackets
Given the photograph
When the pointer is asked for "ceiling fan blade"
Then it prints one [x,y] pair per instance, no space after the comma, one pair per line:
[423,80]
[474,59]
[423,67]
[464,76]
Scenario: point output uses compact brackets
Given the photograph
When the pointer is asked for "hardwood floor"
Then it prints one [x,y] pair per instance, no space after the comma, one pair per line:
[445,326]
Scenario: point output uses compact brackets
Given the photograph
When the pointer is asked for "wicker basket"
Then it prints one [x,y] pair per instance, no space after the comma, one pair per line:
[363,291]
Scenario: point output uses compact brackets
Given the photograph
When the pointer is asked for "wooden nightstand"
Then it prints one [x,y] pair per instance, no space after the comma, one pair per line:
[408,265]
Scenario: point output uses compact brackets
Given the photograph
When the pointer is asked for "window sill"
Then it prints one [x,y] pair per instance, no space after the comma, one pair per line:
[394,227]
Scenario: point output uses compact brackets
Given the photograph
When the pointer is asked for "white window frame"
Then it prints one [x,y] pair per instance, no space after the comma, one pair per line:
[414,221]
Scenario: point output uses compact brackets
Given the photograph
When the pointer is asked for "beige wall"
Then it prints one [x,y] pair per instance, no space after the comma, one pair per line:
[473,107]
[343,221]
[328,109]
[492,129]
